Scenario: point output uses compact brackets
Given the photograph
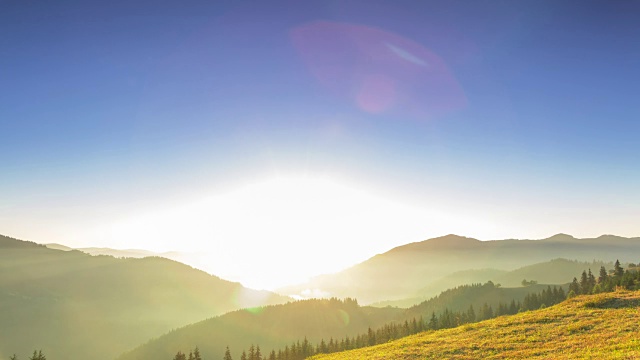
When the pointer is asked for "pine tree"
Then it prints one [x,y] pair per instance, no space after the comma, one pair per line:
[591,280]
[584,283]
[603,275]
[196,354]
[180,356]
[561,295]
[471,314]
[227,354]
[433,323]
[38,356]
[617,269]
[371,337]
[243,356]
[574,287]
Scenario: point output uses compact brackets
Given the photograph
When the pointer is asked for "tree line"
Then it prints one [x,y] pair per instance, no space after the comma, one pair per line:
[607,281]
[37,355]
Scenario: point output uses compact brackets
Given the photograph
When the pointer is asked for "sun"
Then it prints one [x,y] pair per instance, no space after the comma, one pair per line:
[280,230]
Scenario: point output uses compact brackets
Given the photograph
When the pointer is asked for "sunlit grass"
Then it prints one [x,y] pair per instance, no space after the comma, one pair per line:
[604,326]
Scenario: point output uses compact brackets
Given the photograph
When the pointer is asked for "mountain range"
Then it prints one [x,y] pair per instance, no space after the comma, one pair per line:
[401,272]
[76,306]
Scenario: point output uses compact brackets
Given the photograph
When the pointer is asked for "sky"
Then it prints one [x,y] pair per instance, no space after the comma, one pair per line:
[274,141]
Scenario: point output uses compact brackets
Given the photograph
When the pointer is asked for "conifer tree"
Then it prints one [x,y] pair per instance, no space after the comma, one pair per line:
[196,354]
[243,356]
[180,356]
[618,271]
[371,337]
[574,287]
[591,280]
[38,356]
[227,354]
[258,354]
[603,275]
[513,308]
[433,323]
[584,283]
[471,314]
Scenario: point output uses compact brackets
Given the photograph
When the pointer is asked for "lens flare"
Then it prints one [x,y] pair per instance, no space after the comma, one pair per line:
[378,71]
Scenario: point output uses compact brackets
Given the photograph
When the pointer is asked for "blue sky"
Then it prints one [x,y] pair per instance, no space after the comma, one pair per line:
[526,112]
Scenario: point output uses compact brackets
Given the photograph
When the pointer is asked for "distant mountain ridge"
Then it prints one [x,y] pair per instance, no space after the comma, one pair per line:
[119,253]
[100,306]
[556,271]
[397,273]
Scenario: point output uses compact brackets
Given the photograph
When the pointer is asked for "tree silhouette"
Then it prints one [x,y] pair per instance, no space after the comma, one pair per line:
[617,269]
[38,356]
[196,354]
[603,275]
[227,354]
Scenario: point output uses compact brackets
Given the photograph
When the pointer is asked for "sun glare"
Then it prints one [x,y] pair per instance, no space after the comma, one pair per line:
[281,230]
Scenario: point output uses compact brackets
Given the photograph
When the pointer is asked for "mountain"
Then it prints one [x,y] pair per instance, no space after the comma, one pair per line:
[275,327]
[397,273]
[602,326]
[76,306]
[554,272]
[270,327]
[125,253]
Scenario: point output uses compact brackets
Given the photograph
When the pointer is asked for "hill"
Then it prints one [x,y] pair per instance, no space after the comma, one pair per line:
[100,306]
[397,273]
[554,272]
[275,327]
[603,326]
[269,327]
[121,253]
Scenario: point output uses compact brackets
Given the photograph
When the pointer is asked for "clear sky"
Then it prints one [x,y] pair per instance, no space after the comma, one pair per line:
[277,140]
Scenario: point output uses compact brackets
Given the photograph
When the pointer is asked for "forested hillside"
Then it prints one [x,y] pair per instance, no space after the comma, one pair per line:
[602,326]
[76,306]
[337,323]
[270,327]
[462,305]
[557,272]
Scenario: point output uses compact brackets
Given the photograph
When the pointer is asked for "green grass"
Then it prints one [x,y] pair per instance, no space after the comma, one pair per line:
[604,326]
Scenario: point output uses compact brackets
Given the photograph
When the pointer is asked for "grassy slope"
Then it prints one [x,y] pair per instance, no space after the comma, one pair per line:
[276,326]
[603,326]
[75,306]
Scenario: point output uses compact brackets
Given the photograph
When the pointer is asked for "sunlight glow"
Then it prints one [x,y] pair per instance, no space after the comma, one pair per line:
[281,230]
